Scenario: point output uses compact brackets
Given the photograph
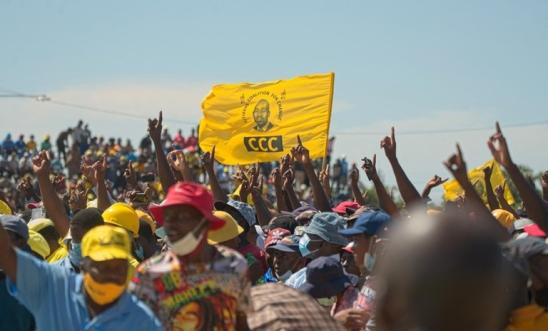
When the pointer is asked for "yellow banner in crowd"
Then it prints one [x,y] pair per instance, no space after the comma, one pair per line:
[477,177]
[259,122]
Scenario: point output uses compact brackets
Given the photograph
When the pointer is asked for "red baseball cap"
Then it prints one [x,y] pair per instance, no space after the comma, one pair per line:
[191,194]
[275,235]
[341,207]
[534,231]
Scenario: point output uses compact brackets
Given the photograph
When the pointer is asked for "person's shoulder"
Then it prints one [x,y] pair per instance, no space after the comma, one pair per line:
[141,312]
[229,258]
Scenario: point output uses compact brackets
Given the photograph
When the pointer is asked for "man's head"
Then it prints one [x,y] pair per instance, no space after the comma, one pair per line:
[83,221]
[105,252]
[261,113]
[46,229]
[325,278]
[186,215]
[17,230]
[123,215]
[321,237]
[439,272]
[286,257]
[364,228]
[535,251]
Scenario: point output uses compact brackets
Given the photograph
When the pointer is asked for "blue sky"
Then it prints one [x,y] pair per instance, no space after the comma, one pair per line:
[429,65]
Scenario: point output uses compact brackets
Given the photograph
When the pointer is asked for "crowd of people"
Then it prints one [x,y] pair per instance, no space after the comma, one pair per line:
[98,235]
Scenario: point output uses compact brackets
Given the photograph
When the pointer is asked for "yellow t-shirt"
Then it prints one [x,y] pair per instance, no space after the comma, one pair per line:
[59,254]
[528,318]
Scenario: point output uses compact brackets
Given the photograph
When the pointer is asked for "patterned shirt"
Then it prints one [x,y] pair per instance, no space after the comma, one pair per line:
[197,296]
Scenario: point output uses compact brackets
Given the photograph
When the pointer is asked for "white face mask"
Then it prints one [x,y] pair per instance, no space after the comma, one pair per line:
[369,262]
[188,243]
[285,276]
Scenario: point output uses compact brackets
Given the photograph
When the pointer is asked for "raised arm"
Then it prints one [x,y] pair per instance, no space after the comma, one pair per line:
[208,162]
[164,171]
[491,198]
[301,154]
[456,165]
[54,206]
[263,214]
[544,184]
[99,169]
[8,258]
[499,190]
[289,178]
[385,201]
[433,182]
[324,179]
[276,179]
[354,180]
[408,192]
[536,209]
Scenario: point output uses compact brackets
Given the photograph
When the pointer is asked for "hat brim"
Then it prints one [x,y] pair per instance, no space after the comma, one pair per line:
[235,213]
[109,254]
[328,290]
[284,248]
[216,241]
[341,240]
[157,211]
[351,232]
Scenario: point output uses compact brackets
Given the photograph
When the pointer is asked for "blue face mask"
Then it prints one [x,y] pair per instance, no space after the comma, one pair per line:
[75,254]
[139,252]
[303,247]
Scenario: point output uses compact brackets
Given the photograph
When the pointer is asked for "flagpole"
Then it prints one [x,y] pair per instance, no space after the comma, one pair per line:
[324,162]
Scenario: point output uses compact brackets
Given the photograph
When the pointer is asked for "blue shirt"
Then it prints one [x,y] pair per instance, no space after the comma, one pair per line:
[13,315]
[66,264]
[56,298]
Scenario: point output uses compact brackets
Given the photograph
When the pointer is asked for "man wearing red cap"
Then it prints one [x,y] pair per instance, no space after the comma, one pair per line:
[193,285]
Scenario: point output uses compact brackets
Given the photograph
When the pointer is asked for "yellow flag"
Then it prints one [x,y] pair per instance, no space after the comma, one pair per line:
[476,176]
[259,122]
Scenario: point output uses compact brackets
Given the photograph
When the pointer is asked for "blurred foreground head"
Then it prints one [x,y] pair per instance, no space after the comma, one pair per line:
[442,273]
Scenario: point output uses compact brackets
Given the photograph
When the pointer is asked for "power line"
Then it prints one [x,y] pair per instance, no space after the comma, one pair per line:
[85,107]
[43,97]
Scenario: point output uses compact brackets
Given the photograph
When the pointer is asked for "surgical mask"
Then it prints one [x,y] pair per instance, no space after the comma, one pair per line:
[75,254]
[369,262]
[285,276]
[327,302]
[188,243]
[303,247]
[102,293]
[139,252]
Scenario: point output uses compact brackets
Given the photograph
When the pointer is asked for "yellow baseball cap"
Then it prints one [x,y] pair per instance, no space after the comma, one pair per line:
[38,244]
[122,215]
[39,224]
[4,208]
[504,217]
[106,242]
[147,218]
[229,230]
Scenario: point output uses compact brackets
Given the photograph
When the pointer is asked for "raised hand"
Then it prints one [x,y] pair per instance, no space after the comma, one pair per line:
[155,128]
[436,181]
[78,197]
[130,175]
[499,190]
[99,169]
[456,165]
[285,163]
[300,153]
[324,177]
[487,172]
[354,175]
[25,186]
[208,161]
[389,145]
[288,178]
[276,177]
[177,160]
[499,148]
[369,166]
[41,164]
[59,182]
[257,187]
